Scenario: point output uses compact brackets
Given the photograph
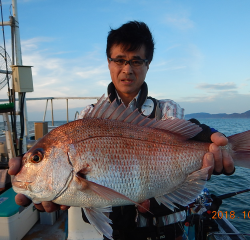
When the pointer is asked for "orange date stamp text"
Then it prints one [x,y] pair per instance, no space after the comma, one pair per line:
[230,215]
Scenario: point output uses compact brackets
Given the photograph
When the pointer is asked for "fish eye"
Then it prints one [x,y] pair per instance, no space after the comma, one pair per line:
[37,156]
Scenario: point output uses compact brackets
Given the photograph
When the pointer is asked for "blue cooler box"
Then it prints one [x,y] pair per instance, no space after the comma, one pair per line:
[15,221]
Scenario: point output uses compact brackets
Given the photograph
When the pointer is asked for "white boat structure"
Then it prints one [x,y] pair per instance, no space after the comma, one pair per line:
[17,222]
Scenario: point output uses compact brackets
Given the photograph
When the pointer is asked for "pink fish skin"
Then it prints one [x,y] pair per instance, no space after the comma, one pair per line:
[122,162]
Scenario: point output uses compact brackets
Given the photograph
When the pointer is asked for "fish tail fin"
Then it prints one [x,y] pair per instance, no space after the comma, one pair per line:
[240,144]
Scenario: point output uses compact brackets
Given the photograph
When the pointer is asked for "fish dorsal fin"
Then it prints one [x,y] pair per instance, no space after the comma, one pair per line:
[96,107]
[106,110]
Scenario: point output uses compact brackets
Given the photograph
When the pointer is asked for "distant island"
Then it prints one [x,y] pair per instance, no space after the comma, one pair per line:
[219,115]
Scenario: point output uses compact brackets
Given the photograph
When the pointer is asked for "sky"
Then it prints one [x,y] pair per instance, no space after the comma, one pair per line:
[201,59]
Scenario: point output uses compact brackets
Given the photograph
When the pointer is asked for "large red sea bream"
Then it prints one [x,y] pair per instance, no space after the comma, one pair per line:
[124,158]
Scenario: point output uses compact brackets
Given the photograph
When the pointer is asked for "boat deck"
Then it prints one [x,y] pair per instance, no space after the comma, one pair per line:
[57,231]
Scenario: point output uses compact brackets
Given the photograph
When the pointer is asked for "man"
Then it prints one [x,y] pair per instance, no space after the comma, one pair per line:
[129,53]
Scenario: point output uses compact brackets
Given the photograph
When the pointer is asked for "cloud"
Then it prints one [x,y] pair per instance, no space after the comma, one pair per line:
[210,97]
[33,43]
[180,21]
[195,58]
[192,58]
[91,72]
[227,101]
[157,95]
[54,76]
[160,64]
[173,46]
[6,2]
[103,83]
[170,68]
[217,103]
[219,86]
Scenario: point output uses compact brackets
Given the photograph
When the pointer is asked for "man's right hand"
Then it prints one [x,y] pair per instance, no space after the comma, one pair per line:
[14,168]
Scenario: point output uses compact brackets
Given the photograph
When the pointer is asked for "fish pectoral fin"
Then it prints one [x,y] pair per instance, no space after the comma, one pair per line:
[164,200]
[102,191]
[187,192]
[99,219]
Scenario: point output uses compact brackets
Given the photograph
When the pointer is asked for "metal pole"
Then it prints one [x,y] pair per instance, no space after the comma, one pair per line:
[17,34]
[52,117]
[26,123]
[9,142]
[45,110]
[67,102]
[5,72]
[19,62]
[5,23]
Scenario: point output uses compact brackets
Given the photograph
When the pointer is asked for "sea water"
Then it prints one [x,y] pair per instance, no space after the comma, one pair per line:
[237,208]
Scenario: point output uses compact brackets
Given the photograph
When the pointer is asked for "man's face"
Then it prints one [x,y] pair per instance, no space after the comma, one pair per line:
[127,79]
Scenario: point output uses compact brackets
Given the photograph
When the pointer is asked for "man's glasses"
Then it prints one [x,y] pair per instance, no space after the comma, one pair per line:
[132,62]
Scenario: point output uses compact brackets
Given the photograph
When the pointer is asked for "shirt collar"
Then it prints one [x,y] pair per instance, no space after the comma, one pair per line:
[133,101]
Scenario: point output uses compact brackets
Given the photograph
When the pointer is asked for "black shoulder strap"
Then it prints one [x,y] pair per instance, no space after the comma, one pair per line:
[142,97]
[112,93]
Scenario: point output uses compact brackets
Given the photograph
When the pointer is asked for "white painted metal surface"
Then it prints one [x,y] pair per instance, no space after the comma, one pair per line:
[9,142]
[78,229]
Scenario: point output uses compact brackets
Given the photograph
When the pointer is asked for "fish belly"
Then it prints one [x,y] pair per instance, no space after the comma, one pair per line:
[135,167]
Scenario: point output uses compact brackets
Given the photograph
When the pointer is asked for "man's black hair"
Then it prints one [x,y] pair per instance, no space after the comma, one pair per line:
[132,35]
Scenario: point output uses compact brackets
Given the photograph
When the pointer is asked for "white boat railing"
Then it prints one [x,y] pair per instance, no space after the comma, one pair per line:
[51,99]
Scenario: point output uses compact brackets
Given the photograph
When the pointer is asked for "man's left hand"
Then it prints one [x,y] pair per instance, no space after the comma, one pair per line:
[219,159]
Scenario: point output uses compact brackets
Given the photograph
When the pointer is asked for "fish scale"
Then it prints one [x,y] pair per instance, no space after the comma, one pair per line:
[151,158]
[98,162]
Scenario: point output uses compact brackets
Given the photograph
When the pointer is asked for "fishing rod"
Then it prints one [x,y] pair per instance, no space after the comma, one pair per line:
[228,195]
[206,218]
[221,197]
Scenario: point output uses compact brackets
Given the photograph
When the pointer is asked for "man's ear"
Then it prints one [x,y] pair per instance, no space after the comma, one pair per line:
[108,63]
[148,65]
